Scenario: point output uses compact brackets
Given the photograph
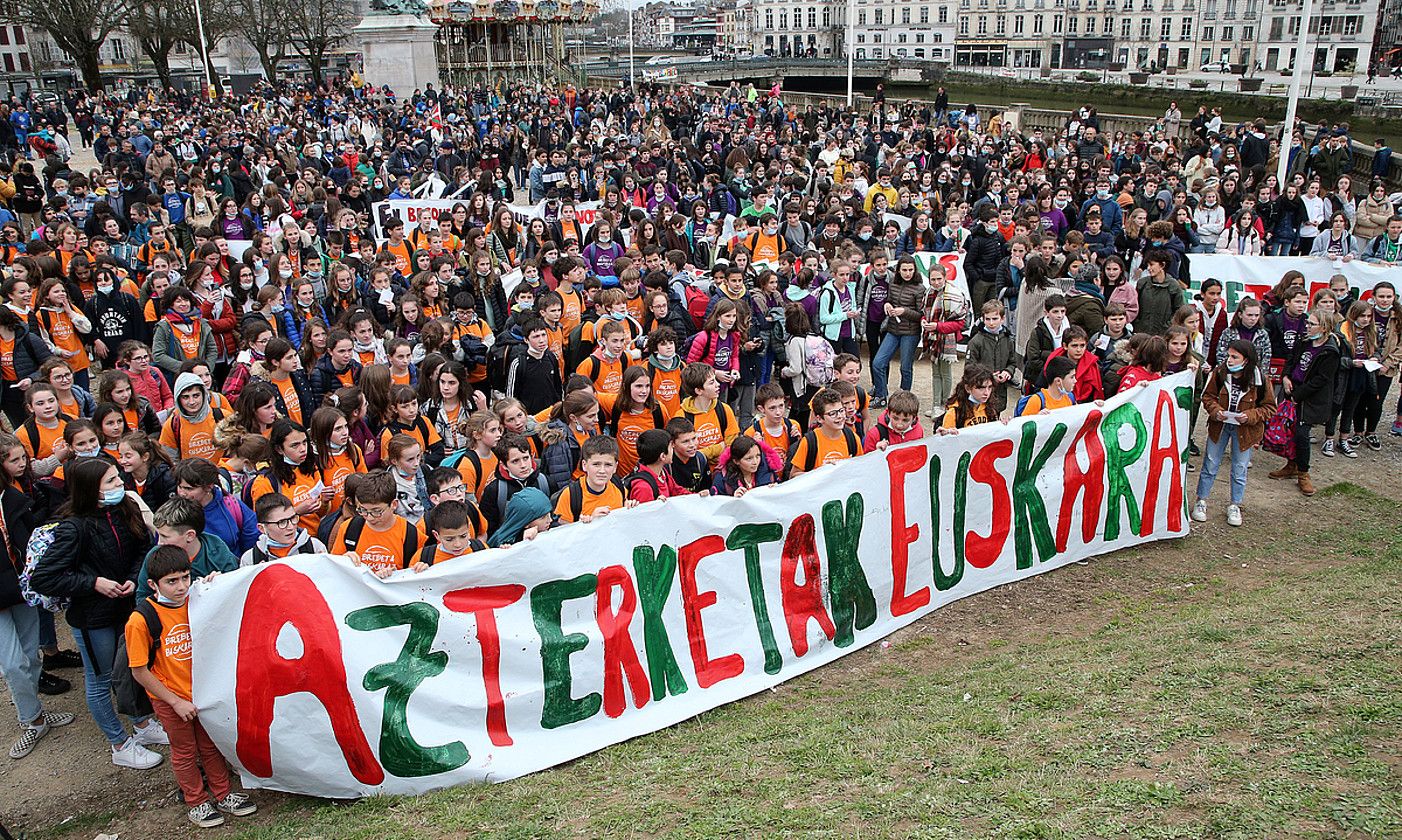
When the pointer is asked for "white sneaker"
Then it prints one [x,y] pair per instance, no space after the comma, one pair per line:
[205,815]
[152,734]
[133,755]
[1200,511]
[1234,515]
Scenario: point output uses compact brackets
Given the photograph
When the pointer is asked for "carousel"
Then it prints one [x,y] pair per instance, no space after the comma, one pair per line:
[483,39]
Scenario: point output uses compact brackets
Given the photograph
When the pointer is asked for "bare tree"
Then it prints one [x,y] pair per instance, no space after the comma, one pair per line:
[316,27]
[79,27]
[266,26]
[157,25]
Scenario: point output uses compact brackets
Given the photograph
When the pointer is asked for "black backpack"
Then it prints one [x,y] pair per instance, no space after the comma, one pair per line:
[356,527]
[132,699]
[644,476]
[810,458]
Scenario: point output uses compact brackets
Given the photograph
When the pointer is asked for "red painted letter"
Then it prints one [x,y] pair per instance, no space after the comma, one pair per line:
[620,657]
[279,596]
[804,601]
[1161,454]
[482,602]
[708,671]
[901,463]
[981,551]
[1090,481]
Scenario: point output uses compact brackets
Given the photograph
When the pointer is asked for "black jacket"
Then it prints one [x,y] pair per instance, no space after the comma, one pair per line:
[160,486]
[535,382]
[982,253]
[323,381]
[84,549]
[17,508]
[115,317]
[1314,397]
[30,352]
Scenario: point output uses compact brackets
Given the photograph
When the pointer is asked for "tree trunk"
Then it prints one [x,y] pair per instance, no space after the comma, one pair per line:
[86,57]
[314,63]
[161,59]
[269,63]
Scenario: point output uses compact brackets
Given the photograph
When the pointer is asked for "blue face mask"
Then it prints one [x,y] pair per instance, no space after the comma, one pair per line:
[617,316]
[114,496]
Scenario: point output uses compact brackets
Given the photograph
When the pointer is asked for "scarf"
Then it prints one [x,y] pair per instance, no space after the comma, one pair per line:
[1090,287]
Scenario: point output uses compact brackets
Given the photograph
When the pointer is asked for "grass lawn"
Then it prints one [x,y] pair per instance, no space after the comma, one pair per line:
[1214,690]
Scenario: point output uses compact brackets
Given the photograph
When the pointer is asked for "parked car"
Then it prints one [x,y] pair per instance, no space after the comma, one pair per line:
[1216,67]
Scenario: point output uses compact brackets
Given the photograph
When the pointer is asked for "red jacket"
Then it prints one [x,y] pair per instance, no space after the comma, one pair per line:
[881,430]
[1089,386]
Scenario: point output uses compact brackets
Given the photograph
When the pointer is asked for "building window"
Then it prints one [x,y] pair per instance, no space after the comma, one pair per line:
[1248,33]
[119,49]
[1018,25]
[861,39]
[939,39]
[905,15]
[963,26]
[4,36]
[1206,55]
[1124,30]
[919,53]
[944,14]
[924,14]
[1072,26]
[768,18]
[1165,30]
[1056,24]
[880,15]
[1000,25]
[1228,33]
[920,37]
[812,18]
[1036,24]
[1185,32]
[983,24]
[1206,35]
[901,38]
[1144,29]
[9,63]
[1090,26]
[861,18]
[876,38]
[827,16]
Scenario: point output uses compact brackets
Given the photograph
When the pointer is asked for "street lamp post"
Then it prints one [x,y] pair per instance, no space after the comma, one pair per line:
[204,51]
[851,53]
[631,81]
[1295,79]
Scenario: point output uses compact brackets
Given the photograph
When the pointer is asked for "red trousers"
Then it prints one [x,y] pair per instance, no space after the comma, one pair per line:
[190,746]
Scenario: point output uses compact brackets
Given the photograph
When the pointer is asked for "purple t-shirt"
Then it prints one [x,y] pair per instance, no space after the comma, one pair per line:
[876,301]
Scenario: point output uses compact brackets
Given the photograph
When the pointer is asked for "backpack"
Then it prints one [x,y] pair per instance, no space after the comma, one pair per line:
[697,303]
[644,476]
[132,699]
[1025,399]
[356,527]
[817,361]
[39,543]
[778,338]
[810,460]
[711,341]
[246,494]
[576,348]
[214,411]
[499,362]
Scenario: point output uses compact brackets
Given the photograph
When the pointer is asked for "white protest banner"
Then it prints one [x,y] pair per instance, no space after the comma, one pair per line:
[1254,276]
[410,211]
[315,677]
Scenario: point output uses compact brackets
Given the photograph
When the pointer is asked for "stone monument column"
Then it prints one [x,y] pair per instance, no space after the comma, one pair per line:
[397,42]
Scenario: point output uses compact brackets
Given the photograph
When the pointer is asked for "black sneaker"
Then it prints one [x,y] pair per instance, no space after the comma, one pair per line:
[62,659]
[1373,442]
[1355,441]
[877,402]
[1193,449]
[49,684]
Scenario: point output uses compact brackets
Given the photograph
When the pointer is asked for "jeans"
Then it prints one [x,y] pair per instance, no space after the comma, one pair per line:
[941,383]
[98,647]
[881,367]
[19,659]
[1370,407]
[1280,247]
[1212,462]
[1302,446]
[48,634]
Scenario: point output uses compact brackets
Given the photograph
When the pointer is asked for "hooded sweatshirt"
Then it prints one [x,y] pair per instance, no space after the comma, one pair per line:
[264,551]
[191,434]
[214,556]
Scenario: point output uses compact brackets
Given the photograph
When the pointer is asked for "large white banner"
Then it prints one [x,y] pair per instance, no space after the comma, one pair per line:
[315,677]
[1254,276]
[411,210]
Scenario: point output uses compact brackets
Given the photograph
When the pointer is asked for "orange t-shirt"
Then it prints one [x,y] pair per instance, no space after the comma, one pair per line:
[557,345]
[607,376]
[299,491]
[173,654]
[379,550]
[475,477]
[70,409]
[47,437]
[573,311]
[422,431]
[341,467]
[481,332]
[779,443]
[365,357]
[194,440]
[7,360]
[189,341]
[346,377]
[713,433]
[398,378]
[830,450]
[401,256]
[65,337]
[667,388]
[631,425]
[288,389]
[611,498]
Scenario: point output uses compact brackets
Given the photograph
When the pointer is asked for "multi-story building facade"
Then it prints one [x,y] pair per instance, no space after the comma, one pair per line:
[1341,34]
[905,29]
[807,28]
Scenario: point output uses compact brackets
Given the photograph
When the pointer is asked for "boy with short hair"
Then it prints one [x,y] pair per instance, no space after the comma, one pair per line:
[382,541]
[446,484]
[516,470]
[453,525]
[158,647]
[280,534]
[180,522]
[1117,328]
[772,424]
[1045,339]
[598,491]
[712,420]
[1074,347]
[652,479]
[689,466]
[900,423]
[604,367]
[831,441]
[851,397]
[1059,393]
[992,346]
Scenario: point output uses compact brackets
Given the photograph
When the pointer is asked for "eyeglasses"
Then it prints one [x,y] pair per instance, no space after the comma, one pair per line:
[457,491]
[836,412]
[282,523]
[372,513]
[61,374]
[141,358]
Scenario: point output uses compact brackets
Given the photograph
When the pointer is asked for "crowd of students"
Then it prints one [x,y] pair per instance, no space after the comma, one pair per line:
[215,362]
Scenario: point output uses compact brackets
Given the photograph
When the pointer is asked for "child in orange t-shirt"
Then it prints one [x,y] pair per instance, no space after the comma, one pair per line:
[832,441]
[381,540]
[772,424]
[160,663]
[42,433]
[454,527]
[598,492]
